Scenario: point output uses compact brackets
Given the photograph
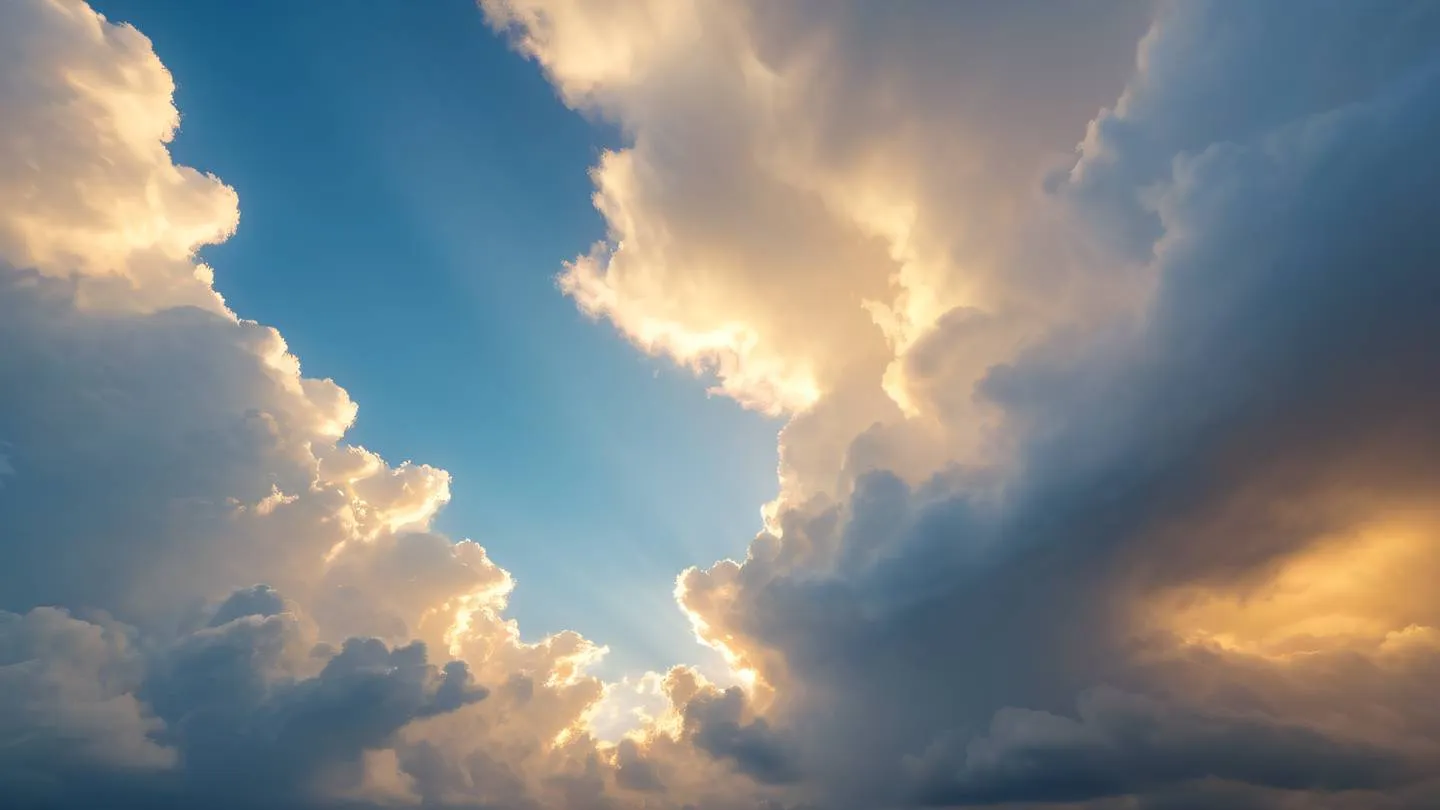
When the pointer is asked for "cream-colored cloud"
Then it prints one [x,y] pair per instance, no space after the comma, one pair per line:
[126,219]
[804,191]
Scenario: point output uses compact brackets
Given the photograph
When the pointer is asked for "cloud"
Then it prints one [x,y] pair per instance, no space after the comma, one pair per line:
[793,207]
[94,99]
[716,723]
[69,688]
[208,597]
[1123,431]
[1107,481]
[1124,744]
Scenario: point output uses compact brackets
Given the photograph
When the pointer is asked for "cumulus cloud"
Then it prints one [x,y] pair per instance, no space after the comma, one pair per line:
[716,723]
[95,99]
[1152,422]
[70,696]
[1105,335]
[208,597]
[808,187]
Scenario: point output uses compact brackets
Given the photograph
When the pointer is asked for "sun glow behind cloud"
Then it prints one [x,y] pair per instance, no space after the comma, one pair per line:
[1359,588]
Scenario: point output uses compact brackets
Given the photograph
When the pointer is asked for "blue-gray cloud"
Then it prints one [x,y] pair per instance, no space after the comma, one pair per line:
[1276,392]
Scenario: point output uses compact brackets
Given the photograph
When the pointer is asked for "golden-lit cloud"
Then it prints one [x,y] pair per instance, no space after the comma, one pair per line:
[1355,590]
[790,215]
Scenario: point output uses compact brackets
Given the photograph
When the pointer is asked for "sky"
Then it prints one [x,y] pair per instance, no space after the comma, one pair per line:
[414,153]
[720,405]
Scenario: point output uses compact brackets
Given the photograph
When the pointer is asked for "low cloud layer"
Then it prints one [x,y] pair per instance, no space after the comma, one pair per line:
[1106,336]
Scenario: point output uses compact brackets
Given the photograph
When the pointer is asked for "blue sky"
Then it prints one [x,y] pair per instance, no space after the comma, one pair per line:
[398,164]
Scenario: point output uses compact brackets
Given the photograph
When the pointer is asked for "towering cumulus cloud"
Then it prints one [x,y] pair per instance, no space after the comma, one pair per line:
[1109,479]
[1107,338]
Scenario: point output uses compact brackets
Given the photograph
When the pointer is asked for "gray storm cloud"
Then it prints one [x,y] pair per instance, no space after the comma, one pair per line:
[1107,339]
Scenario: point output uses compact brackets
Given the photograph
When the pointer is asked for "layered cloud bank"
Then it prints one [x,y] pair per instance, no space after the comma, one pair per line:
[1109,480]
